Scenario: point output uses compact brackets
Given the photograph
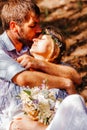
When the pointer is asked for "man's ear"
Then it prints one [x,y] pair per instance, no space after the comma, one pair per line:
[13,26]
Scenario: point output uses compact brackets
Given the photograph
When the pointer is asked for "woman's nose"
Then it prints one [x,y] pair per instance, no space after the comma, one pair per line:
[35,39]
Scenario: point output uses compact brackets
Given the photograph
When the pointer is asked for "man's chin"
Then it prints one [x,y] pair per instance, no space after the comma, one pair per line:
[26,42]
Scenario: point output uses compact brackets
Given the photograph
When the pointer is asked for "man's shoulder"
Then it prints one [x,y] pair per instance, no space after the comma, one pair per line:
[2,36]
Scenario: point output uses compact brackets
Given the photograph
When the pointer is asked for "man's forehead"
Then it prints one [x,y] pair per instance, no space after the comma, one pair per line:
[32,16]
[34,20]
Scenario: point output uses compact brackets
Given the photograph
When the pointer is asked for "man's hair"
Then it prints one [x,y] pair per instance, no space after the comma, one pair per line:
[18,10]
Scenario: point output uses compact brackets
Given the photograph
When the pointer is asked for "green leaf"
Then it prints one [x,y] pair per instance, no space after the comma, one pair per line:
[27,91]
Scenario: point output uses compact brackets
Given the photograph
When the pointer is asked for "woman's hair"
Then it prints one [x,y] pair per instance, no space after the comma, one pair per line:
[58,39]
[18,10]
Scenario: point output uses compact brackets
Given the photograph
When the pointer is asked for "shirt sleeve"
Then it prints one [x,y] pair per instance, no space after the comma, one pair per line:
[8,66]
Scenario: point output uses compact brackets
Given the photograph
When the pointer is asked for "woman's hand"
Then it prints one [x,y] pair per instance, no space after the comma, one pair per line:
[25,123]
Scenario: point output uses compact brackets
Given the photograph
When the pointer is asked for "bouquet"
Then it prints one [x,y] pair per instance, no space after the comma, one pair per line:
[40,103]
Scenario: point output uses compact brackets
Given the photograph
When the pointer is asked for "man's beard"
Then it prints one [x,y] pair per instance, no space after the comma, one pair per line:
[25,42]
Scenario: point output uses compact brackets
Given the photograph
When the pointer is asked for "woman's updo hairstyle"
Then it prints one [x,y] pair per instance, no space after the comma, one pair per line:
[58,38]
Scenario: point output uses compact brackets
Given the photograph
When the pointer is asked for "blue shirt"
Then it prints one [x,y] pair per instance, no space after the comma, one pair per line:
[8,66]
[8,69]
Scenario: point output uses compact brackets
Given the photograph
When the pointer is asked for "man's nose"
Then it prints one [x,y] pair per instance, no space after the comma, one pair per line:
[38,29]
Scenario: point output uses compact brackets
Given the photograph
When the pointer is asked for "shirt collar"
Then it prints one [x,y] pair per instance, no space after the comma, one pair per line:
[8,42]
[10,46]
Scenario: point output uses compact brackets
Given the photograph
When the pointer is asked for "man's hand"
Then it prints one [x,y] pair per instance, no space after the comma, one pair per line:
[28,62]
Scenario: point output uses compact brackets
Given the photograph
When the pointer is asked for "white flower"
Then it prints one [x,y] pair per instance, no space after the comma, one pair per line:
[40,103]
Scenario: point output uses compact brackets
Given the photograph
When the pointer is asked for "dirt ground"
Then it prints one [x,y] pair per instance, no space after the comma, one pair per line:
[71,17]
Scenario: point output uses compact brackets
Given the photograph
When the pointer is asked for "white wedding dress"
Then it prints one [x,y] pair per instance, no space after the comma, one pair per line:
[71,114]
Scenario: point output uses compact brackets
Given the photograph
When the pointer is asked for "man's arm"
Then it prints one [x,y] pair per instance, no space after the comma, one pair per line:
[62,71]
[50,68]
[34,78]
[11,70]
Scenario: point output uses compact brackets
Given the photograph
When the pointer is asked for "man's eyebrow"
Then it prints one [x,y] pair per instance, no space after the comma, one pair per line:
[33,24]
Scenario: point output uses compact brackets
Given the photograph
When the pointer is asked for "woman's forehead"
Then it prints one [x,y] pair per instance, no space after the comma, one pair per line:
[45,36]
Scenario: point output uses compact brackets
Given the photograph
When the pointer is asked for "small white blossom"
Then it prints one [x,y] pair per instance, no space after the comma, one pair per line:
[40,103]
